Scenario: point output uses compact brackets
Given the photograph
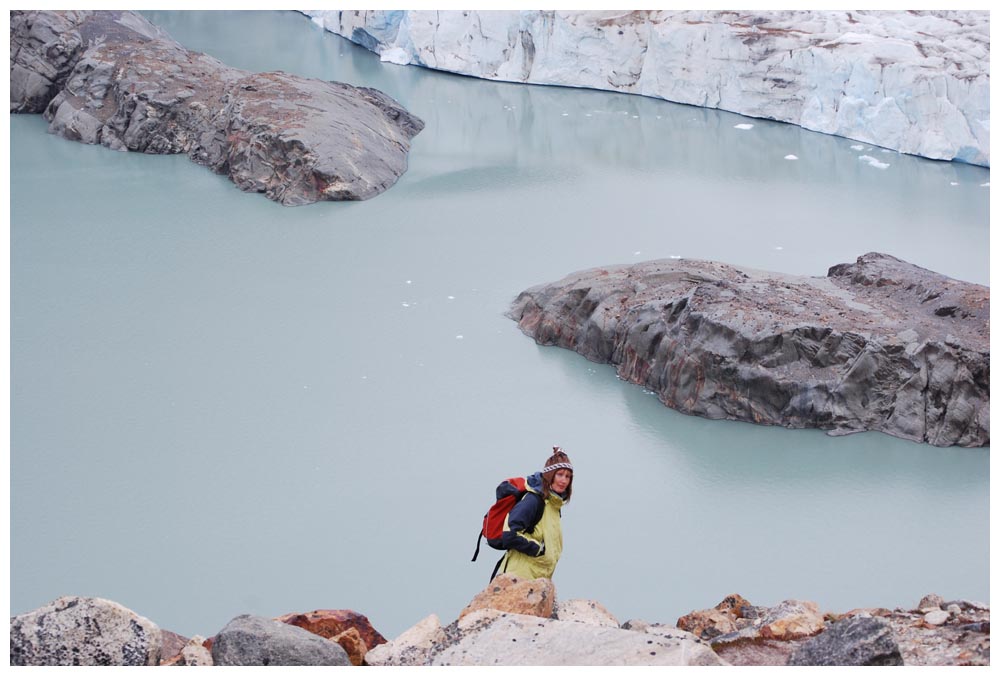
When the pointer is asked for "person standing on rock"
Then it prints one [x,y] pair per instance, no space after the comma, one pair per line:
[532,532]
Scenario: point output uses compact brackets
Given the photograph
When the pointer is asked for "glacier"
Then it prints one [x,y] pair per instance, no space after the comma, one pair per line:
[912,81]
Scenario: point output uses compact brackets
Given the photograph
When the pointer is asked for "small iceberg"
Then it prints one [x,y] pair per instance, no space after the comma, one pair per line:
[857,147]
[744,125]
[791,157]
[873,162]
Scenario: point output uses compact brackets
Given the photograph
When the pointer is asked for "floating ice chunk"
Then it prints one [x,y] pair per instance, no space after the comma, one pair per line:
[676,258]
[636,253]
[779,248]
[857,147]
[791,157]
[873,162]
[459,337]
[659,117]
[954,183]
[984,185]
[744,125]
[587,115]
[364,377]
[451,298]
[406,305]
[409,281]
[886,150]
[565,114]
[635,117]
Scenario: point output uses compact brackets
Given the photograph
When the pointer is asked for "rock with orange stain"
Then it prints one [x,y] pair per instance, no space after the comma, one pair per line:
[510,594]
[331,623]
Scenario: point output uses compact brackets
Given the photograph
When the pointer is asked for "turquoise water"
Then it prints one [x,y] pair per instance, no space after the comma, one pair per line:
[220,405]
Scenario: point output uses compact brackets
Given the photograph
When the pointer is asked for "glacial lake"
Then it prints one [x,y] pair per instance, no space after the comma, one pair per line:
[220,405]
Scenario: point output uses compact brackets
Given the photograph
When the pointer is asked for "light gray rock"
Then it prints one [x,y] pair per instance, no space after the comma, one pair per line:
[195,654]
[488,637]
[930,602]
[414,646]
[854,642]
[111,77]
[733,343]
[585,611]
[83,631]
[258,641]
[936,617]
[917,82]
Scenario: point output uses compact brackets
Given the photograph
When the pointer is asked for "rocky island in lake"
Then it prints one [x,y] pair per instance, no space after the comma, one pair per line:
[879,344]
[113,78]
[515,622]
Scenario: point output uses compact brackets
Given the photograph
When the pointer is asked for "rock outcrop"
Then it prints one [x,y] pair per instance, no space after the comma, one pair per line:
[111,77]
[510,594]
[353,631]
[852,642]
[77,630]
[258,641]
[917,82]
[83,631]
[491,637]
[879,344]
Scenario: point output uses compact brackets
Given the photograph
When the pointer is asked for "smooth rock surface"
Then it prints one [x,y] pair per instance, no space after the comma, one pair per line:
[879,344]
[917,82]
[414,646]
[258,641]
[852,642]
[511,594]
[83,631]
[113,78]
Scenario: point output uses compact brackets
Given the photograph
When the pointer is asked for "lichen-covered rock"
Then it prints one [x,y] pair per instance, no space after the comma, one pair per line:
[917,82]
[489,637]
[583,610]
[852,642]
[879,344]
[713,622]
[111,77]
[511,594]
[258,641]
[83,631]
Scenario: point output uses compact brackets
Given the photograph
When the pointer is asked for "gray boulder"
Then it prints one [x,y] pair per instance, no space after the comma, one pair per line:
[258,641]
[853,642]
[113,78]
[81,631]
[879,344]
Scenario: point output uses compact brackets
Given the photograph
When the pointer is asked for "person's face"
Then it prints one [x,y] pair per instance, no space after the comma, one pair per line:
[561,480]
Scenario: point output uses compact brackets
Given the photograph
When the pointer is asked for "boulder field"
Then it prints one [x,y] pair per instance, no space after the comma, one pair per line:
[113,78]
[913,81]
[879,344]
[518,622]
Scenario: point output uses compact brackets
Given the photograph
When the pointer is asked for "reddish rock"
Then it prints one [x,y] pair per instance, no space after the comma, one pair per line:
[792,619]
[353,645]
[331,623]
[510,594]
[715,621]
[172,646]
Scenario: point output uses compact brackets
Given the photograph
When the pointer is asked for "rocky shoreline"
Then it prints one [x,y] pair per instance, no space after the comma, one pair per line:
[879,344]
[518,622]
[113,78]
[912,81]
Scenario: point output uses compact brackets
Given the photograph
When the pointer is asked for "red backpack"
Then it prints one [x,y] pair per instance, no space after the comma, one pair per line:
[509,493]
